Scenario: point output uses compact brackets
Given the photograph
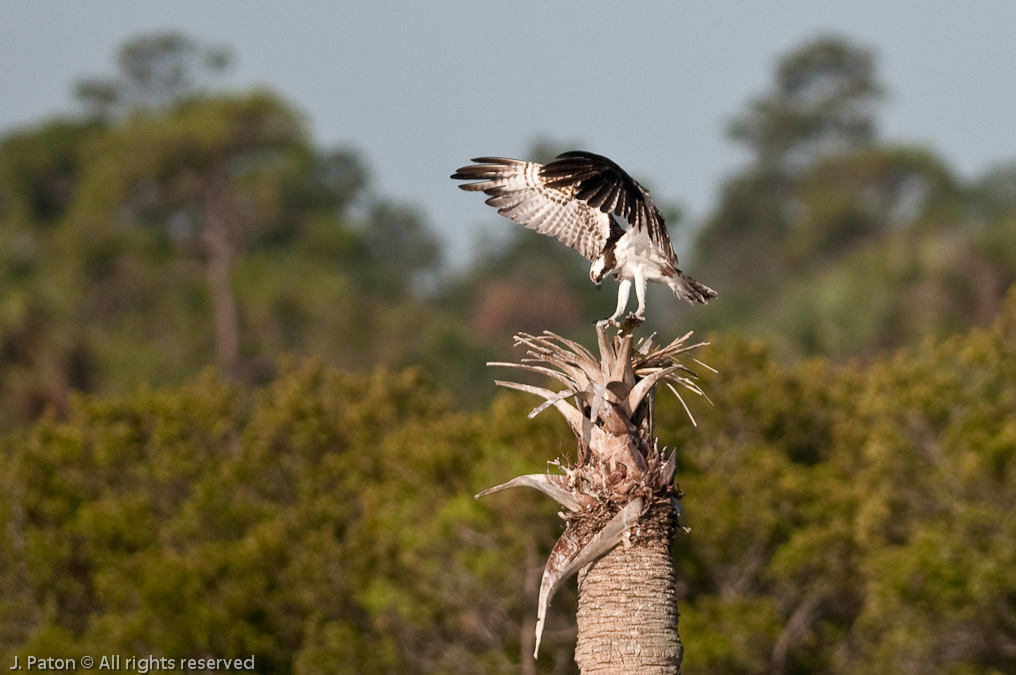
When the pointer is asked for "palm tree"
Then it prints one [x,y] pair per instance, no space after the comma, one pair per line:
[621,507]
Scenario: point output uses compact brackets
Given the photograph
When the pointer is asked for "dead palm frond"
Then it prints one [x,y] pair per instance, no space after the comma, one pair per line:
[607,402]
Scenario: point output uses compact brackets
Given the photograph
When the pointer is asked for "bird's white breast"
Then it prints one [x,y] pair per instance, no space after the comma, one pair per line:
[635,251]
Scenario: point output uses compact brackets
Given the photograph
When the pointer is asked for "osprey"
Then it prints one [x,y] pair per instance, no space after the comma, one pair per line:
[574,199]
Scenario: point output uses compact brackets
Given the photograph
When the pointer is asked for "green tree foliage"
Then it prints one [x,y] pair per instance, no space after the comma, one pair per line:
[852,519]
[324,523]
[181,226]
[834,242]
[186,228]
[822,102]
[400,247]
[42,351]
[820,105]
[154,71]
[845,519]
[210,174]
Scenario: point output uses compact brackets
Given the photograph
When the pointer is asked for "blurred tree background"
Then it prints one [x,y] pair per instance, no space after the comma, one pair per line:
[834,242]
[245,406]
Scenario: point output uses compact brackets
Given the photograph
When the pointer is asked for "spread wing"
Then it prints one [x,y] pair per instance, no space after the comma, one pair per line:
[604,185]
[519,191]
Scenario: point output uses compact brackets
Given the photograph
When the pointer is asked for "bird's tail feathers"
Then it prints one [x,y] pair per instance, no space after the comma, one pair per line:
[687,288]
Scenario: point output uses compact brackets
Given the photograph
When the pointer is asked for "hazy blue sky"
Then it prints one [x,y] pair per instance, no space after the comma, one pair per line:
[421,87]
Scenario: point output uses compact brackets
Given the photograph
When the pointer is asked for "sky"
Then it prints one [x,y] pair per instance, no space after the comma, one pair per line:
[419,88]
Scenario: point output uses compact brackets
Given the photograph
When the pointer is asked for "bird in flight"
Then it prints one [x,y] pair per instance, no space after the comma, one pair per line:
[578,198]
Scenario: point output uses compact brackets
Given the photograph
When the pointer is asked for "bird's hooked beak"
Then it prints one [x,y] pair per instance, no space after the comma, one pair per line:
[597,271]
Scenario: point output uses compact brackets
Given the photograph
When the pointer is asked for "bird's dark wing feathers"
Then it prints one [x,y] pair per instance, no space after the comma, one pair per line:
[519,191]
[604,185]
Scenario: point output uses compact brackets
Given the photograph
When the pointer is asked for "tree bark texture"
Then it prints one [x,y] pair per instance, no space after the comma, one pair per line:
[219,250]
[627,611]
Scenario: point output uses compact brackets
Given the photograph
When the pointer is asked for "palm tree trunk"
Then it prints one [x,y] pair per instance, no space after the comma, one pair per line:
[627,612]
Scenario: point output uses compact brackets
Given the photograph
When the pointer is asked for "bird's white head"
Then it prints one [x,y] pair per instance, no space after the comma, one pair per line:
[597,271]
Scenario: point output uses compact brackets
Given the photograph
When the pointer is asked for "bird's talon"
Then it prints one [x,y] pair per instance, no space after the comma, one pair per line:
[630,323]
